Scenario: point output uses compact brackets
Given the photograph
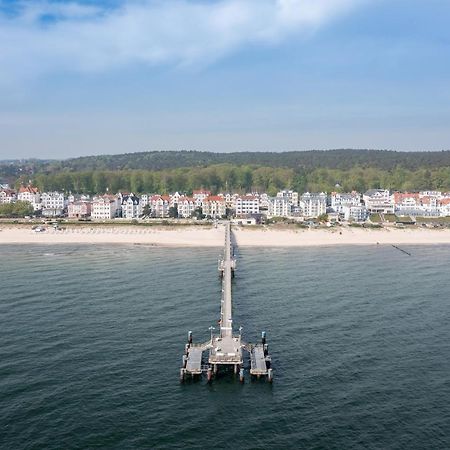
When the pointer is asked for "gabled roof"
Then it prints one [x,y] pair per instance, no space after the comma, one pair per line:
[30,189]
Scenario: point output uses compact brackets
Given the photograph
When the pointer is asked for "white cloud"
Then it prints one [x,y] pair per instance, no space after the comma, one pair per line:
[44,37]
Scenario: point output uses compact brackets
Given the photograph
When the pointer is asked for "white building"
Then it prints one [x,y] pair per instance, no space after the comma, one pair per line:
[356,213]
[292,196]
[378,201]
[313,204]
[214,206]
[131,207]
[174,199]
[30,194]
[279,207]
[52,200]
[186,207]
[71,198]
[340,201]
[7,196]
[105,207]
[200,196]
[160,205]
[247,204]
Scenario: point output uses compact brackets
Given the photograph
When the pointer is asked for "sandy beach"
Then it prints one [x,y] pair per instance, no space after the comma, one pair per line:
[213,237]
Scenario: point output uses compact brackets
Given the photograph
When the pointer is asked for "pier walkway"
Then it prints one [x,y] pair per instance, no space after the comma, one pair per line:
[225,349]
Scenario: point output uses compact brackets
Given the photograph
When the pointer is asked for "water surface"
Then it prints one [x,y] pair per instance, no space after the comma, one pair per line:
[92,338]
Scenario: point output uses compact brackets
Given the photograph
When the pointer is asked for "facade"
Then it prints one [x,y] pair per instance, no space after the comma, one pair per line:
[174,199]
[200,196]
[186,207]
[79,209]
[52,200]
[246,205]
[356,213]
[340,201]
[131,207]
[378,201]
[30,194]
[418,204]
[279,207]
[214,206]
[104,207]
[291,196]
[7,196]
[160,205]
[313,204]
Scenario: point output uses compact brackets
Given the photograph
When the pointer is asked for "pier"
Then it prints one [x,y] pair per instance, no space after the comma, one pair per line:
[226,350]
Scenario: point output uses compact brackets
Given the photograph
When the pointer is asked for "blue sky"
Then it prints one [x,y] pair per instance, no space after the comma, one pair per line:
[92,77]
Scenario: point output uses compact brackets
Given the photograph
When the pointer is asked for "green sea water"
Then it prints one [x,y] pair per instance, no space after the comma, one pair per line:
[91,341]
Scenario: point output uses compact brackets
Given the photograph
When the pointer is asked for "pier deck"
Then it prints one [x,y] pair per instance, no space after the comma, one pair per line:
[258,363]
[194,361]
[226,347]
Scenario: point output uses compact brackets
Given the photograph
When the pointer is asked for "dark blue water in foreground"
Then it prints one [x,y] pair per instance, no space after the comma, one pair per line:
[91,340]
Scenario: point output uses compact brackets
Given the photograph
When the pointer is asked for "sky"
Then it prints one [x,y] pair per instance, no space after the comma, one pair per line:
[113,76]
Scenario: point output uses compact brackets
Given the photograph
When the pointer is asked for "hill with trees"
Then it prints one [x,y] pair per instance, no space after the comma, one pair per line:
[244,171]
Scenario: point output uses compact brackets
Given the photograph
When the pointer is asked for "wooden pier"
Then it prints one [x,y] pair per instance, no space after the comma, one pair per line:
[226,349]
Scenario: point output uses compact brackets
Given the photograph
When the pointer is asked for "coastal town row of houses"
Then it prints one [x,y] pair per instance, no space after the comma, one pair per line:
[352,206]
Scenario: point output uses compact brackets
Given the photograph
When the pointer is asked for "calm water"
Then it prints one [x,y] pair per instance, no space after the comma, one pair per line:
[91,340]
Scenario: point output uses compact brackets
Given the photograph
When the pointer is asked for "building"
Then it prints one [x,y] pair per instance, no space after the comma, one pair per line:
[378,201]
[186,207]
[417,203]
[214,206]
[340,201]
[407,203]
[247,204]
[313,204]
[356,213]
[80,209]
[291,196]
[30,194]
[444,207]
[160,205]
[71,198]
[105,207]
[131,207]
[174,199]
[52,200]
[200,196]
[7,196]
[279,207]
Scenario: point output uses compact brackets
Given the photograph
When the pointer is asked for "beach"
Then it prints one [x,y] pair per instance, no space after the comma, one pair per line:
[213,237]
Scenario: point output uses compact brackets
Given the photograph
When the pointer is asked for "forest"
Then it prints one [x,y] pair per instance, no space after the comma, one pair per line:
[333,170]
[246,178]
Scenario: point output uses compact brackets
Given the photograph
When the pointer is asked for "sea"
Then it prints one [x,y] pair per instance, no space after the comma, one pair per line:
[92,338]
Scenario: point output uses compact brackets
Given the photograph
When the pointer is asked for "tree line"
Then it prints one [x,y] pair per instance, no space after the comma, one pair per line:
[240,178]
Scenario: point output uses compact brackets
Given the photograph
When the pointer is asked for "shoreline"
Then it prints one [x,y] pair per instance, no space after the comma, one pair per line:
[213,237]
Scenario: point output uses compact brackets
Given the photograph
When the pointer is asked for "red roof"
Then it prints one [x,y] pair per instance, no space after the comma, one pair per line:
[400,196]
[30,189]
[214,198]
